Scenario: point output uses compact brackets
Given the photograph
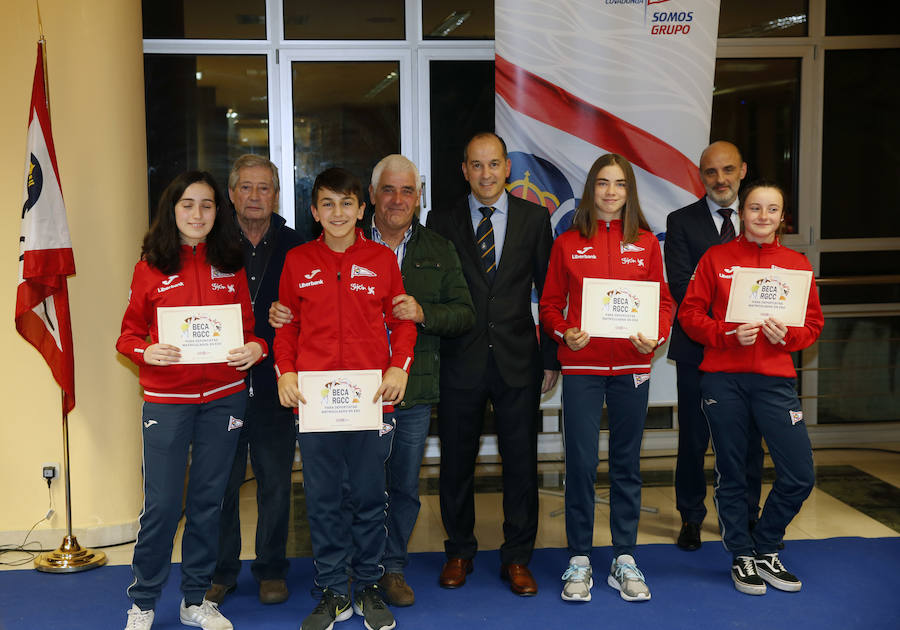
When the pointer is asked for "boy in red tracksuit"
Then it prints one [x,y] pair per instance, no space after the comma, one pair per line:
[339,289]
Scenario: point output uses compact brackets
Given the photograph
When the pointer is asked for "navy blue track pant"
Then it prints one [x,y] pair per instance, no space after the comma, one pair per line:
[336,463]
[733,404]
[693,440]
[582,399]
[270,436]
[169,432]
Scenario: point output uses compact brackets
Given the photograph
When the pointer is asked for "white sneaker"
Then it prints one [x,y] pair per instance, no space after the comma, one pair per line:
[139,619]
[625,577]
[578,580]
[206,616]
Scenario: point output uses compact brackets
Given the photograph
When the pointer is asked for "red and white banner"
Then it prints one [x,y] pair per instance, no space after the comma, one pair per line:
[45,249]
[575,80]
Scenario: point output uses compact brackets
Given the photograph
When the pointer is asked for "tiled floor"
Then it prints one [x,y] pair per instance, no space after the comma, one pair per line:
[857,494]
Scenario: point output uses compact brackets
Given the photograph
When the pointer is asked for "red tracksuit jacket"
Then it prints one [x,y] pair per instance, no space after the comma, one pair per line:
[575,258]
[341,304]
[196,283]
[707,294]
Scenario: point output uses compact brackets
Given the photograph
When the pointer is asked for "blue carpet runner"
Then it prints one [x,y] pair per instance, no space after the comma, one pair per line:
[848,584]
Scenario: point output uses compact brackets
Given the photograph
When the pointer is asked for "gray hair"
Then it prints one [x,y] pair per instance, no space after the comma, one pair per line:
[395,163]
[249,160]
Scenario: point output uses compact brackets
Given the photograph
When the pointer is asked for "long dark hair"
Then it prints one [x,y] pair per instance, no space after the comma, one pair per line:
[162,243]
[632,216]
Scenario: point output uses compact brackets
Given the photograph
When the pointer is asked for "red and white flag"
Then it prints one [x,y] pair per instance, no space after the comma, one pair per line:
[45,249]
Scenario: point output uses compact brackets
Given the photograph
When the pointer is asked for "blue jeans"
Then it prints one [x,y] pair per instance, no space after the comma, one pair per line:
[734,404]
[403,483]
[582,398]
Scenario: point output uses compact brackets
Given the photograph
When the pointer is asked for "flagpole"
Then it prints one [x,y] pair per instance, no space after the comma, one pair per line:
[69,557]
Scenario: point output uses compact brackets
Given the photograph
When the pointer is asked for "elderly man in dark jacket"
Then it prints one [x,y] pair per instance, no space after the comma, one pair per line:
[437,300]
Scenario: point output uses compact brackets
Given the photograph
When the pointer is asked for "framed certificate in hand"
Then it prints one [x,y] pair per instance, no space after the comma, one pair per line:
[339,401]
[757,294]
[619,309]
[205,334]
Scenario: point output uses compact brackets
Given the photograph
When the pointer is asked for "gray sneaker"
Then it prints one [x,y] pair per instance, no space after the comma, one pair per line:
[578,580]
[205,616]
[332,607]
[369,604]
[625,577]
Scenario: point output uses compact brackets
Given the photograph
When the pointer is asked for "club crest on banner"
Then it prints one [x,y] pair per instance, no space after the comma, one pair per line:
[535,179]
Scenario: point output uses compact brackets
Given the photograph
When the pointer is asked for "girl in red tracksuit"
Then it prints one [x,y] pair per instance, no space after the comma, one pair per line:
[190,257]
[749,378]
[609,238]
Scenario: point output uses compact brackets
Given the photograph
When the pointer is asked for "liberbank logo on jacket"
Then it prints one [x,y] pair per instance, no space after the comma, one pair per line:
[167,284]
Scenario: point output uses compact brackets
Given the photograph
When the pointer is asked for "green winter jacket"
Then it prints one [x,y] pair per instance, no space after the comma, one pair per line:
[433,275]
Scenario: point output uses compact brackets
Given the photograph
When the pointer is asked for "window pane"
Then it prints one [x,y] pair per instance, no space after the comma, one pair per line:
[756,105]
[204,19]
[462,104]
[449,19]
[344,19]
[860,126]
[855,264]
[763,18]
[849,17]
[203,111]
[859,368]
[345,114]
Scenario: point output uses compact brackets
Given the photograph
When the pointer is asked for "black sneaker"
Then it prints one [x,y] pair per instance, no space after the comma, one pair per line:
[332,607]
[745,577]
[769,568]
[369,604]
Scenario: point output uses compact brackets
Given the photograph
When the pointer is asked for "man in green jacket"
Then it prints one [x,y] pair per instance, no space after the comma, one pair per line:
[437,300]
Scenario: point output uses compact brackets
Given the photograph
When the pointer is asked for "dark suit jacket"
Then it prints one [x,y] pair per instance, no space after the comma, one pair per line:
[503,319]
[690,231]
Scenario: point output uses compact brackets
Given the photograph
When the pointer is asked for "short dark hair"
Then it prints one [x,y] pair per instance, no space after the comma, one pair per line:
[162,243]
[339,180]
[479,136]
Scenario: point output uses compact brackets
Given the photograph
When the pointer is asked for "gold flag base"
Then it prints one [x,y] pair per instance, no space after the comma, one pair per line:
[69,558]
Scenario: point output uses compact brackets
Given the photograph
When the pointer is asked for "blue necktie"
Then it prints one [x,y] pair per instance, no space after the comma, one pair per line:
[484,241]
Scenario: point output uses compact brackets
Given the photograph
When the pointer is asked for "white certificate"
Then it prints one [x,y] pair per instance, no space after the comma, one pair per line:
[619,309]
[339,401]
[205,334]
[760,293]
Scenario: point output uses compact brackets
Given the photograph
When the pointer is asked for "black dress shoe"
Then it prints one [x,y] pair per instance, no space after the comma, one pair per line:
[689,536]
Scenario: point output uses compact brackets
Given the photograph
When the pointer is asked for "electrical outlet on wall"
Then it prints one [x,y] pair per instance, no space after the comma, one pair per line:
[50,471]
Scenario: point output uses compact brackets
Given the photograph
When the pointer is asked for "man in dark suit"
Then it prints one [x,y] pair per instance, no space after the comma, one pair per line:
[690,231]
[504,246]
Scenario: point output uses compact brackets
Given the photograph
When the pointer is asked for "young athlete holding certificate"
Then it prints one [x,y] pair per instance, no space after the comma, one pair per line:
[190,258]
[749,379]
[340,290]
[609,238]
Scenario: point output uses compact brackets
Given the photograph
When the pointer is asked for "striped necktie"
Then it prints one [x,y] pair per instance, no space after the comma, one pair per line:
[727,231]
[484,241]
